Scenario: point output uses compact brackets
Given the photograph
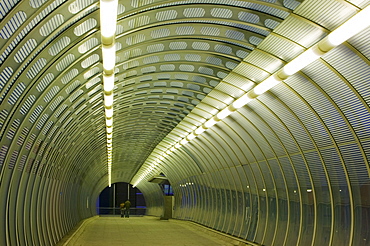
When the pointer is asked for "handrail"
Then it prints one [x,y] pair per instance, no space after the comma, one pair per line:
[116,210]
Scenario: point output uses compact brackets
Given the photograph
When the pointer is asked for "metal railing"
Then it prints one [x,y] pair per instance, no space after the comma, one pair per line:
[116,211]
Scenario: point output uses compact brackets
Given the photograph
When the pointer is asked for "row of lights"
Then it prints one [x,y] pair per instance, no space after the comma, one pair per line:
[108,22]
[295,191]
[347,30]
[186,184]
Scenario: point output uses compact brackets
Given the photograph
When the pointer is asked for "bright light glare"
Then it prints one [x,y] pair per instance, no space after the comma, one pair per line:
[109,129]
[109,112]
[199,130]
[108,101]
[109,56]
[108,22]
[242,101]
[108,17]
[300,62]
[190,137]
[224,113]
[266,85]
[209,123]
[351,27]
[184,141]
[108,83]
[108,122]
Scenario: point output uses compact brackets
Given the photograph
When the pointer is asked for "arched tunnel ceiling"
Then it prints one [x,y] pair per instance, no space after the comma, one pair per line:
[174,60]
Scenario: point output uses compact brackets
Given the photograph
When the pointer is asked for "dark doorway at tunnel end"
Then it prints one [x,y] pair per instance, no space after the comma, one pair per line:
[111,197]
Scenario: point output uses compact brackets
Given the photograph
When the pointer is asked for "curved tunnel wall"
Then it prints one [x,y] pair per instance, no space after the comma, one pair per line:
[291,167]
[154,201]
[40,211]
[287,169]
[260,179]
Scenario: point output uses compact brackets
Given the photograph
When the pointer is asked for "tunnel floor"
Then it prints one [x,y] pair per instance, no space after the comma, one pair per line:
[135,231]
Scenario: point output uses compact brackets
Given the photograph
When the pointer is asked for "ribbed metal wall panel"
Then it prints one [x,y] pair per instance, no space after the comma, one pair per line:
[290,168]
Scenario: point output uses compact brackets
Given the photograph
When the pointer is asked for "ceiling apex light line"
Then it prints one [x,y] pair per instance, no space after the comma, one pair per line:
[351,27]
[108,23]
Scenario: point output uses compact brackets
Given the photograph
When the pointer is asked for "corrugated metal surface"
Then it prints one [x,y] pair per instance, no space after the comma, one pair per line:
[301,31]
[65,62]
[85,27]
[51,25]
[336,12]
[87,45]
[36,68]
[6,6]
[25,50]
[291,167]
[69,76]
[45,81]
[59,46]
[13,24]
[16,93]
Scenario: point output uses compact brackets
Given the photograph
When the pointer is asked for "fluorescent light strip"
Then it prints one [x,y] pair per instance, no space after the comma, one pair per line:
[108,22]
[109,122]
[108,100]
[108,83]
[109,57]
[109,112]
[350,28]
[109,129]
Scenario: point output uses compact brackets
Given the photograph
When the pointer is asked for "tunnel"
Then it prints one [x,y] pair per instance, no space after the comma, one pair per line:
[256,112]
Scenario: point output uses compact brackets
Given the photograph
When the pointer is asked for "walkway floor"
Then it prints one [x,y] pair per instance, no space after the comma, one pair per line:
[139,231]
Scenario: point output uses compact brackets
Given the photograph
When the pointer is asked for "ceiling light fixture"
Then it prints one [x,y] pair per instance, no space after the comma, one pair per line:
[108,23]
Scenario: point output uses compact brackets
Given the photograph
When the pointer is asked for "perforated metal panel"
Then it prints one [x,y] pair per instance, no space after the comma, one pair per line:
[291,167]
